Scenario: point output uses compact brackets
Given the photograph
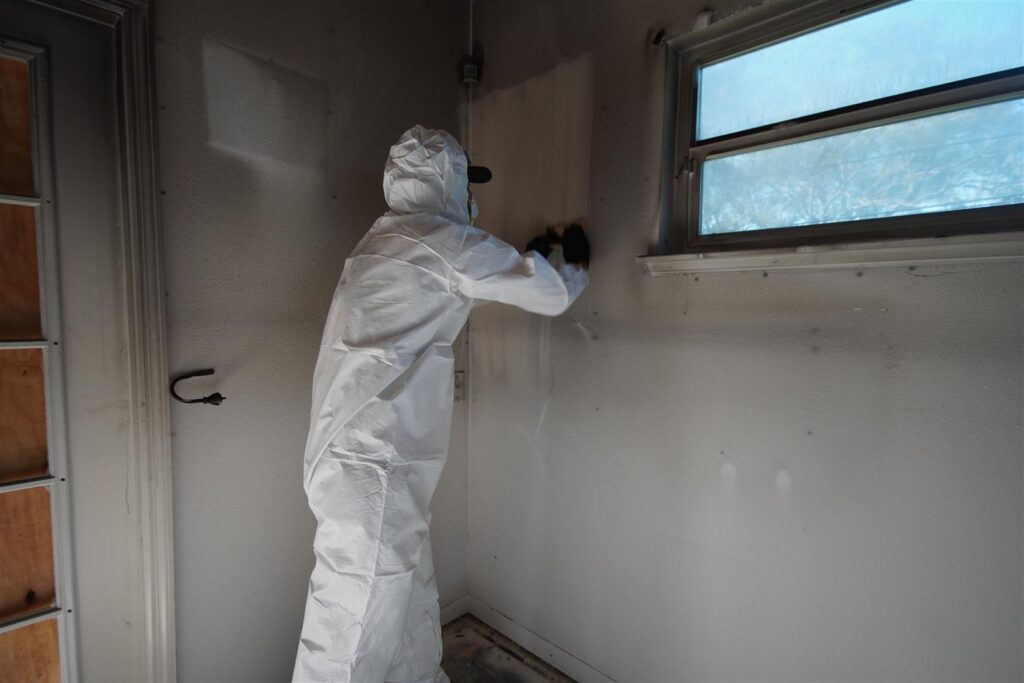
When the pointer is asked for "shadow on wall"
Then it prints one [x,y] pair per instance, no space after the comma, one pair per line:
[248,99]
[535,136]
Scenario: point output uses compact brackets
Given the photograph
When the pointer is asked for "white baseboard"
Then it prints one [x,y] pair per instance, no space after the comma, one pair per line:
[548,652]
[455,609]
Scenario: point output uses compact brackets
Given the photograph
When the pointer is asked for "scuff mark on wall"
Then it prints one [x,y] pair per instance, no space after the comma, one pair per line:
[586,330]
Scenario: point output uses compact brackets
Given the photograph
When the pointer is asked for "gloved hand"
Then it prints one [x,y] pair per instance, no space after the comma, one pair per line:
[572,238]
[543,244]
[576,246]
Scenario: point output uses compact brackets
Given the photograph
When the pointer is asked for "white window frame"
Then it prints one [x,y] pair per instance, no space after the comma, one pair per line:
[679,240]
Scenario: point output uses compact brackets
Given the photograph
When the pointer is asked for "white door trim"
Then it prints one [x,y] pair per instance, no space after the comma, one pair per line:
[144,314]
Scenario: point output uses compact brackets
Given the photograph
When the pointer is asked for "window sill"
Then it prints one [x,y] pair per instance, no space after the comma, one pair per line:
[890,253]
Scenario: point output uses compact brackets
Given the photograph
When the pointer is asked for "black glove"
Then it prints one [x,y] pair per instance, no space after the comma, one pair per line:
[576,246]
[543,244]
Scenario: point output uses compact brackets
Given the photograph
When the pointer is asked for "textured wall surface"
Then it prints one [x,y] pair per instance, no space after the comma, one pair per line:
[275,121]
[804,476]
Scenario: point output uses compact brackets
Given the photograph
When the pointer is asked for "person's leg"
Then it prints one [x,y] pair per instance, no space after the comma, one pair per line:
[371,495]
[419,657]
[372,524]
[348,498]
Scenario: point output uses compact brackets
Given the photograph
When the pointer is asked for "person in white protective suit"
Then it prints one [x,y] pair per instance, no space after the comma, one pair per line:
[382,409]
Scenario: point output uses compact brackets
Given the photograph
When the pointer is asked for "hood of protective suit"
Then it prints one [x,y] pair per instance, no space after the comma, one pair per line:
[426,173]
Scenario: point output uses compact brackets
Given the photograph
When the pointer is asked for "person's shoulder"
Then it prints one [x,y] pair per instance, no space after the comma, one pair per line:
[441,228]
[412,225]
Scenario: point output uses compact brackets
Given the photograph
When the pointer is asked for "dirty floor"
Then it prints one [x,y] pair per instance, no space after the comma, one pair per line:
[476,653]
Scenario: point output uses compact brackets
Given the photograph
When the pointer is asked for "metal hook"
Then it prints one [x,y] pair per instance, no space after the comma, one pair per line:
[213,399]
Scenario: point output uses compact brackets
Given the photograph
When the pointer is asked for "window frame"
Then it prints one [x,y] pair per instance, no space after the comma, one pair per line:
[683,153]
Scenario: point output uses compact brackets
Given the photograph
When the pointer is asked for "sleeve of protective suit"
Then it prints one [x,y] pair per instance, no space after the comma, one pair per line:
[490,270]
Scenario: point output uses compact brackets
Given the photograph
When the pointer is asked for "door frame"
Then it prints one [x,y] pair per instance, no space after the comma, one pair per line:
[141,244]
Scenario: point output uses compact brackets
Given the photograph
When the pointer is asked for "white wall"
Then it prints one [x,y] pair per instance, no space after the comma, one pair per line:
[804,476]
[275,121]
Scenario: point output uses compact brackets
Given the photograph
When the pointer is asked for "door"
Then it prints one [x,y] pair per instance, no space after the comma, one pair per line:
[36,598]
[85,526]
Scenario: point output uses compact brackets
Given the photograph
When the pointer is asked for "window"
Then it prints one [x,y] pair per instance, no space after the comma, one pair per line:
[814,123]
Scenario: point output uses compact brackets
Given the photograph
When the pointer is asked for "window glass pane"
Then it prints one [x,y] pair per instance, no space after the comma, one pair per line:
[23,453]
[15,128]
[893,50]
[972,157]
[19,274]
[26,553]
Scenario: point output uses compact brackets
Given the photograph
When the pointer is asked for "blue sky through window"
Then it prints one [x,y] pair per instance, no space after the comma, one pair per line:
[892,50]
[963,159]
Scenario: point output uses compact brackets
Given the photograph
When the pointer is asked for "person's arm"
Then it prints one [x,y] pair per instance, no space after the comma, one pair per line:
[490,270]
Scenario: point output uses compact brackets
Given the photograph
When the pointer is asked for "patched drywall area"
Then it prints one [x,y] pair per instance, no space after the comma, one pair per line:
[800,476]
[274,123]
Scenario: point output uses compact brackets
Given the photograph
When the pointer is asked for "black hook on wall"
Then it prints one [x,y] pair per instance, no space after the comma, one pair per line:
[213,399]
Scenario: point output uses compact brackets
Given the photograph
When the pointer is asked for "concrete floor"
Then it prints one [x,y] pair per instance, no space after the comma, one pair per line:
[476,653]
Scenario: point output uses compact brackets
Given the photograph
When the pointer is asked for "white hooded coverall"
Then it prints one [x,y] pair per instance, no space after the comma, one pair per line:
[382,410]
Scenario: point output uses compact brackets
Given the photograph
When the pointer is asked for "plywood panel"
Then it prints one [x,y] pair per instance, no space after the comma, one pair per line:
[26,552]
[19,274]
[30,654]
[15,128]
[23,450]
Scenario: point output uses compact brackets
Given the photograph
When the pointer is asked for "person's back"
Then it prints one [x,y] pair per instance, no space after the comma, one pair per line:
[381,414]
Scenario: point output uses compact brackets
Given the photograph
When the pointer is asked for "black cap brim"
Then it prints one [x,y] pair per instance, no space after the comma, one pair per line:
[479,174]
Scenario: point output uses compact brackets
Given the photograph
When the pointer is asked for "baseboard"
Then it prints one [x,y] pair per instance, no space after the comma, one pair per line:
[455,609]
[557,657]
